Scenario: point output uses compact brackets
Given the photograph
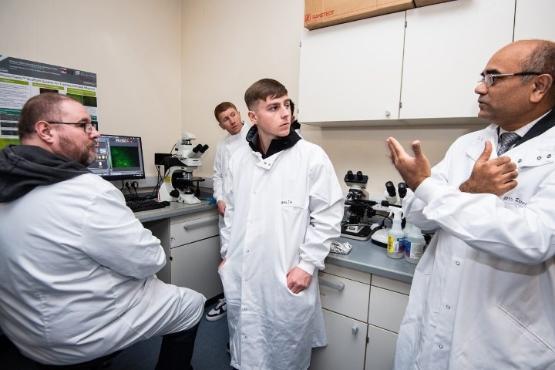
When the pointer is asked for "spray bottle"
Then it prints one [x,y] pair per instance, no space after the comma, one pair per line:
[415,243]
[395,235]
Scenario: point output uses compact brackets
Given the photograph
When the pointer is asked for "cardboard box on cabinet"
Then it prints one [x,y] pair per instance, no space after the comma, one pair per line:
[324,13]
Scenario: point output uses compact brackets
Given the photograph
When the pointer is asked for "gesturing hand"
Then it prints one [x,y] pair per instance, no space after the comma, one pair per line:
[298,280]
[495,176]
[413,170]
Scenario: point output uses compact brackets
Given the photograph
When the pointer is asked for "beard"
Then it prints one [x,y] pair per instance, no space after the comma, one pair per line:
[85,154]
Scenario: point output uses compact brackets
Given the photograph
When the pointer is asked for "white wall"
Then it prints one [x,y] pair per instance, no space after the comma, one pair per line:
[163,65]
[229,44]
[134,46]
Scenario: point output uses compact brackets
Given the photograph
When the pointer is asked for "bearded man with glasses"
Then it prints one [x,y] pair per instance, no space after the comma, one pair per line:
[77,268]
[483,294]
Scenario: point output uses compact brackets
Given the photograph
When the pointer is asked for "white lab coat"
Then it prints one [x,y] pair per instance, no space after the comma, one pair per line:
[282,213]
[483,295]
[77,272]
[225,150]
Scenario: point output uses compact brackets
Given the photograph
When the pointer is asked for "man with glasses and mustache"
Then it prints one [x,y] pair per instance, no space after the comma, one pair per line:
[78,269]
[483,294]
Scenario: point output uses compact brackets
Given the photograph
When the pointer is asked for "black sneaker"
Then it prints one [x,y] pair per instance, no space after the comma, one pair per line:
[218,311]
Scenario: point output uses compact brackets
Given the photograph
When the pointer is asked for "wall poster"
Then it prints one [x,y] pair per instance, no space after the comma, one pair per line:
[21,79]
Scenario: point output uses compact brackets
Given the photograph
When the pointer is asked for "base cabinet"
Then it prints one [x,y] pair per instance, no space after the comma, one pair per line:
[195,266]
[362,314]
[380,350]
[346,344]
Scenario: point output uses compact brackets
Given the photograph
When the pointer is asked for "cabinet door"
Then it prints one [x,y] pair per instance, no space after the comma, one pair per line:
[346,344]
[195,266]
[352,71]
[446,47]
[387,308]
[534,19]
[380,350]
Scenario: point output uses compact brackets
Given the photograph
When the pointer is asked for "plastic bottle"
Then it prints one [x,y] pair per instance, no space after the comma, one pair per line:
[415,243]
[395,235]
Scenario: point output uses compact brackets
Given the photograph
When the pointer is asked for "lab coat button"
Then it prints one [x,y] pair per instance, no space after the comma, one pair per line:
[549,155]
[519,160]
[440,346]
[447,307]
[539,157]
[458,263]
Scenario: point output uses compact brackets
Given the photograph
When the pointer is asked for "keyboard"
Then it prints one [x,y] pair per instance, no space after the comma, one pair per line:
[145,204]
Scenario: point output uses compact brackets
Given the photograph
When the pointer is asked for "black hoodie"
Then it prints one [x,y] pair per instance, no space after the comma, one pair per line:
[24,167]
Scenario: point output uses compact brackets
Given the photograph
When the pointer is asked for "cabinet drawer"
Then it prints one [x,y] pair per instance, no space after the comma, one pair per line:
[360,276]
[386,308]
[344,296]
[390,284]
[190,228]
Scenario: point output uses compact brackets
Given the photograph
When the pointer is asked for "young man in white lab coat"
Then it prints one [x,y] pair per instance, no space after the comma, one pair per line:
[483,294]
[229,119]
[78,269]
[284,207]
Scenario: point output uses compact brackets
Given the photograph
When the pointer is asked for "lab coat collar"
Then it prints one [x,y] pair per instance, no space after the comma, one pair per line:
[276,146]
[543,126]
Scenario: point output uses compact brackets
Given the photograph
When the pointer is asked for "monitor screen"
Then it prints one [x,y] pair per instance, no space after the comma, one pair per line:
[119,158]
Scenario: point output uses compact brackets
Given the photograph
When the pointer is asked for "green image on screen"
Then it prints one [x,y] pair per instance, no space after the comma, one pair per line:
[125,157]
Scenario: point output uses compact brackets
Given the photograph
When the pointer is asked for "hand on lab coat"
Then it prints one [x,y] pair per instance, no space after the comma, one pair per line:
[495,176]
[413,170]
[221,207]
[298,280]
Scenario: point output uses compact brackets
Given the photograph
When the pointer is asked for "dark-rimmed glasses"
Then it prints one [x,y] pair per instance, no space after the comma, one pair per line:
[489,78]
[85,125]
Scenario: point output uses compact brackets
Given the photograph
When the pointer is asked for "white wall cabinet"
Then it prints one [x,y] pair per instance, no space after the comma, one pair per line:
[362,313]
[358,73]
[352,71]
[446,48]
[534,19]
[195,252]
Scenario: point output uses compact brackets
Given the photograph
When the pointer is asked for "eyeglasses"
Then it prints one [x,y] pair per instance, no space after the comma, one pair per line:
[489,78]
[85,125]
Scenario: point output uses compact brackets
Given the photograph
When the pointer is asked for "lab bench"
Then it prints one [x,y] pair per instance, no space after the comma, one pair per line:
[364,296]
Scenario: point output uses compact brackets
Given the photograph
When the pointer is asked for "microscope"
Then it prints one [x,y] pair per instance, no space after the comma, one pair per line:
[184,159]
[357,208]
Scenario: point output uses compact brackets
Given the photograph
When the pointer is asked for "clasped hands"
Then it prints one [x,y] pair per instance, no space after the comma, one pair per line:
[495,176]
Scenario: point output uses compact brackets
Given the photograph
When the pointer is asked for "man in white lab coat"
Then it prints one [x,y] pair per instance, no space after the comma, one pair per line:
[284,207]
[78,269]
[229,119]
[483,295]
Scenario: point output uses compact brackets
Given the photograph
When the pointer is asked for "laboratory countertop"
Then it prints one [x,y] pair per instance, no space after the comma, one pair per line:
[173,210]
[365,256]
[368,257]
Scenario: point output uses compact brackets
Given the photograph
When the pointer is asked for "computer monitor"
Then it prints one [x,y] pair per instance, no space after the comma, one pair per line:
[119,158]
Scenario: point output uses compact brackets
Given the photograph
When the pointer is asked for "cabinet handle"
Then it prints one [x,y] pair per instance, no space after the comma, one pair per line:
[355,330]
[199,222]
[337,286]
[387,114]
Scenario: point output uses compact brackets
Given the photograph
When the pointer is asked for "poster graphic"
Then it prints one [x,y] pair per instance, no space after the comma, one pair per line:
[21,79]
